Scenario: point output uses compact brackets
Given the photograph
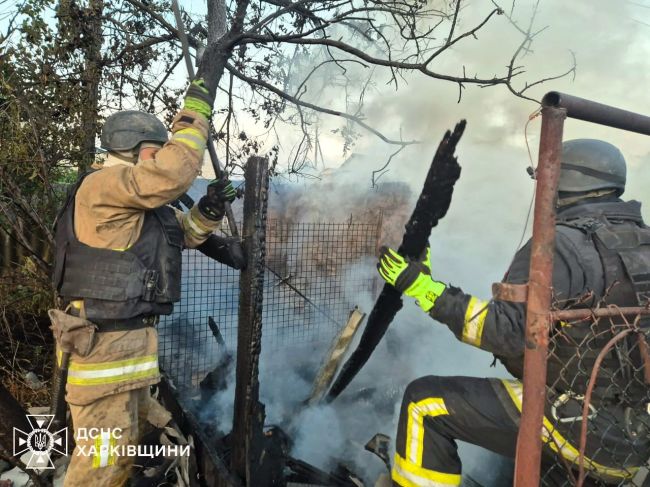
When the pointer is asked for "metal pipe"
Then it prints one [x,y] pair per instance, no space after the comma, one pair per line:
[585,314]
[587,400]
[182,36]
[591,111]
[529,445]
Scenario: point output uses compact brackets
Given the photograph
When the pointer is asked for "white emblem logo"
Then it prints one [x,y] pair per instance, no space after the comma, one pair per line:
[40,441]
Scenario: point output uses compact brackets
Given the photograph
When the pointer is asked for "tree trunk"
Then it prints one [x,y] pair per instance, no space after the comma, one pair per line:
[212,67]
[217,20]
[218,51]
[90,82]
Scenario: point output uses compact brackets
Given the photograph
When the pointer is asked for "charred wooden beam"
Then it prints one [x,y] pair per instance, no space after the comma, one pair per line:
[249,413]
[212,470]
[335,356]
[432,205]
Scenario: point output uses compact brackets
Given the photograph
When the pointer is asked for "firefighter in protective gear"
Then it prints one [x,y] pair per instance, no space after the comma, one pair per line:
[602,255]
[118,267]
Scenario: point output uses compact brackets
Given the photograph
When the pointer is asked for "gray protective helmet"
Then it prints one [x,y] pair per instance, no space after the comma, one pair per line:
[123,131]
[591,164]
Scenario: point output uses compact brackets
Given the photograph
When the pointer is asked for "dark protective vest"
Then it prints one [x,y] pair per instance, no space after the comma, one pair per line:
[142,280]
[610,253]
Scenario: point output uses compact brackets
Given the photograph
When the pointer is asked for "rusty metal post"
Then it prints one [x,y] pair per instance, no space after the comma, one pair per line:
[529,444]
[249,413]
[556,108]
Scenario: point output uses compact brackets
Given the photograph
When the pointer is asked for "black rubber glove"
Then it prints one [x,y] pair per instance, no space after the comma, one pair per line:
[213,204]
[227,250]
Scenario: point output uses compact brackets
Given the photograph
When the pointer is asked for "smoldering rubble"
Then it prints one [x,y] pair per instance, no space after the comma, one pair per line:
[328,435]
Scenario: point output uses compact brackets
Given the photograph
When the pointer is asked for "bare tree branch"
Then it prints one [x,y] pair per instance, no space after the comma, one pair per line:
[161,20]
[136,47]
[421,67]
[378,173]
[451,41]
[329,111]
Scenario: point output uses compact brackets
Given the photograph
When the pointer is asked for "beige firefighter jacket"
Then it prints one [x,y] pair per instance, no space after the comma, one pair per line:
[109,213]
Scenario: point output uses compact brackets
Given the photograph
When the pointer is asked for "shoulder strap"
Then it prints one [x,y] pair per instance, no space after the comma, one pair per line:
[71,193]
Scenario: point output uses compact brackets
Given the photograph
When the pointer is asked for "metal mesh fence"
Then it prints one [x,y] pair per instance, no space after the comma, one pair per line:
[309,289]
[597,408]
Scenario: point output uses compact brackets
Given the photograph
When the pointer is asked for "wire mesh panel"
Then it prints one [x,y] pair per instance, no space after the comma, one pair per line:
[596,412]
[311,282]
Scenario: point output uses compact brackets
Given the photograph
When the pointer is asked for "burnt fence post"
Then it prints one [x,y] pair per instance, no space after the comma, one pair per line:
[249,412]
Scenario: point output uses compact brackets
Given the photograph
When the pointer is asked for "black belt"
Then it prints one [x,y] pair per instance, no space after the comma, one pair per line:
[127,324]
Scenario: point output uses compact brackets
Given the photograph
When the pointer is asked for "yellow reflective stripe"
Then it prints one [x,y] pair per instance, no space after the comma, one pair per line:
[194,132]
[114,364]
[191,137]
[559,444]
[400,480]
[195,226]
[408,475]
[112,459]
[103,446]
[432,406]
[144,374]
[190,142]
[112,372]
[474,321]
[97,457]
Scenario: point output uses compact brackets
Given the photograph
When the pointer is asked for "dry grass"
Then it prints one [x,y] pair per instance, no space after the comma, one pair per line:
[26,343]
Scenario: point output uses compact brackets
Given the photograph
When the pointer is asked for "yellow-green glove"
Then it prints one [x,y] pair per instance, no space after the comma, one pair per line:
[198,98]
[412,278]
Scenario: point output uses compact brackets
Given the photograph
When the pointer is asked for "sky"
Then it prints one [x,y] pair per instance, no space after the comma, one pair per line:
[611,43]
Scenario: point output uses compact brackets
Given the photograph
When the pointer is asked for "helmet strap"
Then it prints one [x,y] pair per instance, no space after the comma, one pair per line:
[116,158]
[562,202]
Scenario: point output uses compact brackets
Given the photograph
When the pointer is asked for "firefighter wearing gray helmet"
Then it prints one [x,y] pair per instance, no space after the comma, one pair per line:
[118,268]
[602,257]
[126,130]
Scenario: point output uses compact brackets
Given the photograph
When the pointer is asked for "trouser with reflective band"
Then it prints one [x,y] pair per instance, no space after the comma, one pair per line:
[437,411]
[107,424]
[612,454]
[119,361]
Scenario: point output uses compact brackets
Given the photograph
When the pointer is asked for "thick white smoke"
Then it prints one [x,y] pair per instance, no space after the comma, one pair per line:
[473,245]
